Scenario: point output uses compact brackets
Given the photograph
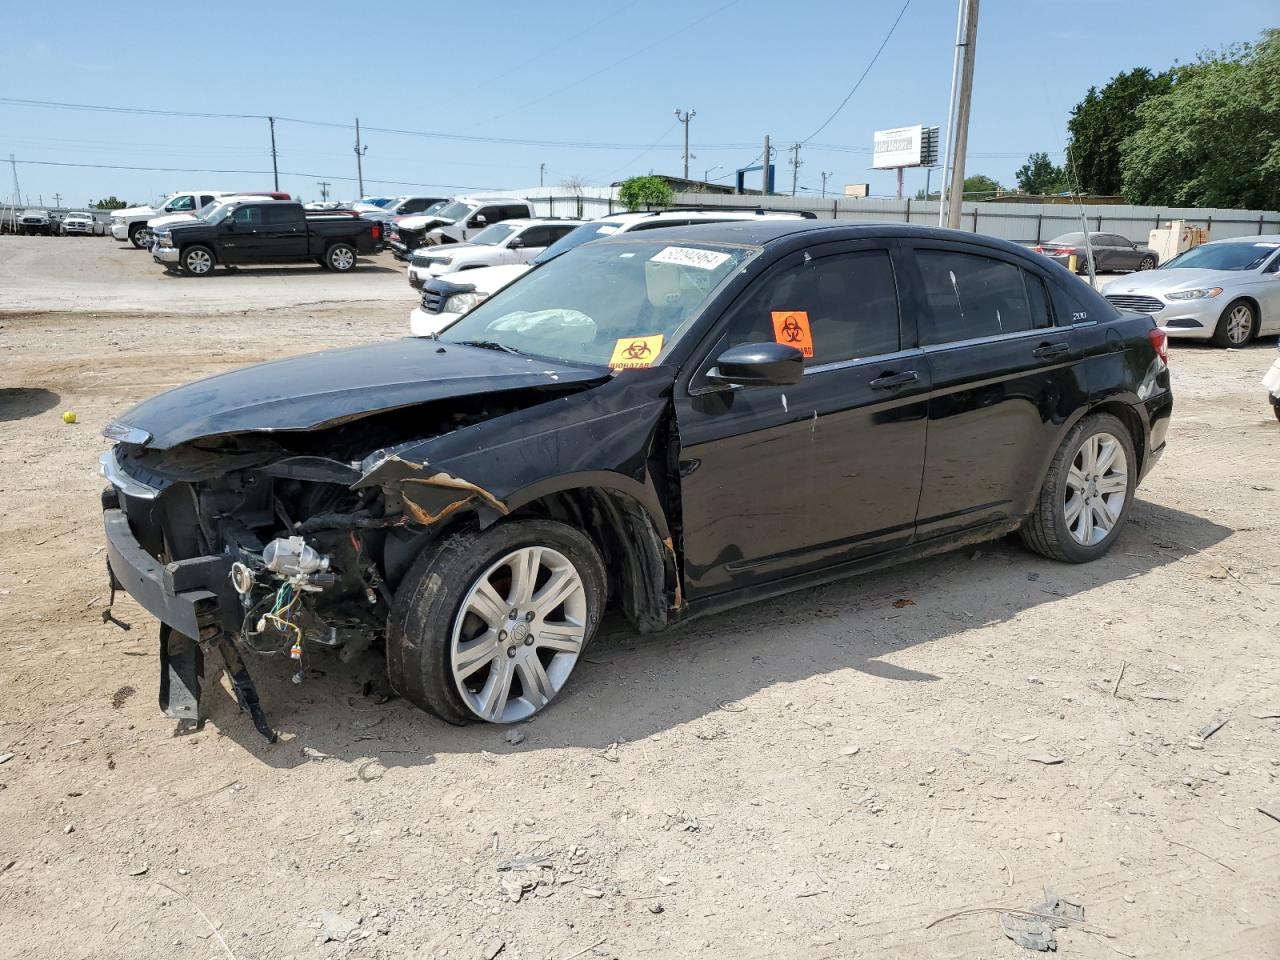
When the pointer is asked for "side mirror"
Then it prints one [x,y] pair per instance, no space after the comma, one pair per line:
[758,365]
[516,244]
[479,221]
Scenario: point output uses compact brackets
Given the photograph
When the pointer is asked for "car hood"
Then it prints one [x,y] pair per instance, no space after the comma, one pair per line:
[421,222]
[135,212]
[488,279]
[319,389]
[1155,282]
[171,218]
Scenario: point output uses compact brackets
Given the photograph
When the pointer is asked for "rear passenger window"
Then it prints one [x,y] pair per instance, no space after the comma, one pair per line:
[513,212]
[282,213]
[536,237]
[844,306]
[1067,309]
[971,296]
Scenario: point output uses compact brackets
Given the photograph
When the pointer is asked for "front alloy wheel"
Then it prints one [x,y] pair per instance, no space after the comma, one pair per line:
[1095,491]
[1235,326]
[197,261]
[518,634]
[489,624]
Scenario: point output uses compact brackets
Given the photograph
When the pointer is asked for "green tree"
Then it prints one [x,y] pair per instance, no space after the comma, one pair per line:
[980,187]
[648,191]
[110,203]
[1214,138]
[1040,176]
[1102,121]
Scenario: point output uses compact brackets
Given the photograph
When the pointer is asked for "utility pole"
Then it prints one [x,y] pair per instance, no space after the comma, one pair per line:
[57,201]
[688,115]
[825,174]
[360,152]
[324,186]
[764,168]
[542,169]
[275,170]
[17,195]
[795,166]
[960,137]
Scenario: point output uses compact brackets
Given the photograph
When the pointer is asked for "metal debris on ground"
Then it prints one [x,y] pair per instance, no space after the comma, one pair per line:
[1048,759]
[1209,729]
[531,862]
[515,736]
[5,757]
[1035,929]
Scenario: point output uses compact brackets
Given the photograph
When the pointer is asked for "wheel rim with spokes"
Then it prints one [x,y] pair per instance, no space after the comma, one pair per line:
[342,258]
[517,636]
[1097,483]
[198,261]
[1239,323]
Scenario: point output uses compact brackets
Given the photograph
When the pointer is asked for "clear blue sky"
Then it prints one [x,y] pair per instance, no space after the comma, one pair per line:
[601,72]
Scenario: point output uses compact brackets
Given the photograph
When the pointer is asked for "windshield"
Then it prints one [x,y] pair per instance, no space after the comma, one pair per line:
[1224,256]
[492,236]
[218,214]
[208,208]
[457,210]
[1068,238]
[602,302]
[436,207]
[574,238]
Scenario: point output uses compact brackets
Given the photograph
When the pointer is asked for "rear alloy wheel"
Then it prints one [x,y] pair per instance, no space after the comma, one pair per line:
[1147,263]
[489,625]
[1086,494]
[1236,325]
[197,261]
[340,258]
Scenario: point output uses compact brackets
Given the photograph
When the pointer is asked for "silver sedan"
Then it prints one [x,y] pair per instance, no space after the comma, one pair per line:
[1226,292]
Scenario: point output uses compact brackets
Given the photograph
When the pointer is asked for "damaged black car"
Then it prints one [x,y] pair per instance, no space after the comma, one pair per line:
[664,423]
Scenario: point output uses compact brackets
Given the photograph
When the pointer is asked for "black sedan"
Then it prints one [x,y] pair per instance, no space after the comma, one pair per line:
[667,422]
[1112,253]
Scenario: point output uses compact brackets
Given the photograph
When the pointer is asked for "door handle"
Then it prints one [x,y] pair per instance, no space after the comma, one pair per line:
[891,381]
[1047,351]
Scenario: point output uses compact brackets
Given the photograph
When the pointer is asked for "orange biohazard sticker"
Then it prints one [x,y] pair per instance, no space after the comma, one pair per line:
[631,353]
[791,327]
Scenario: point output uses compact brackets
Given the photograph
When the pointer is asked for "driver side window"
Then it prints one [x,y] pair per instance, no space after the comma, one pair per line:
[247,216]
[181,204]
[833,308]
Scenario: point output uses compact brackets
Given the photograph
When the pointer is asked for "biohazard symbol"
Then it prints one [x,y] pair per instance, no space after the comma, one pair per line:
[637,350]
[791,327]
[634,352]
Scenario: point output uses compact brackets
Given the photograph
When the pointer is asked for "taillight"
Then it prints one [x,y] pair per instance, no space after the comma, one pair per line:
[377,230]
[1066,251]
[1160,342]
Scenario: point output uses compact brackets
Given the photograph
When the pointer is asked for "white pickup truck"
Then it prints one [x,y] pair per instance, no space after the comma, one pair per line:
[131,223]
[509,242]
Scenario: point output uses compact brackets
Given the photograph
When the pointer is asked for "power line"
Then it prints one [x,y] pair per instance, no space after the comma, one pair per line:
[876,57]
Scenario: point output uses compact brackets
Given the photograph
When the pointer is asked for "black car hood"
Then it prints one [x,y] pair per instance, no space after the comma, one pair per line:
[317,389]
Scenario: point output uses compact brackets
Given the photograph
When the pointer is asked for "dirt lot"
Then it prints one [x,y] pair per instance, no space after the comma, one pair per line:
[820,776]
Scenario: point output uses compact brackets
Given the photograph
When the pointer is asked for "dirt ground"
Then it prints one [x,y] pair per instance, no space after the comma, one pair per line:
[828,775]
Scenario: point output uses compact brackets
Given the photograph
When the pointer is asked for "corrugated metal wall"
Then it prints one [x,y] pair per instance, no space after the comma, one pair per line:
[1020,222]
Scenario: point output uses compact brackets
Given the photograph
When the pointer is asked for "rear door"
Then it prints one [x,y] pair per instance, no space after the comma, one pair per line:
[1002,376]
[532,241]
[786,480]
[283,232]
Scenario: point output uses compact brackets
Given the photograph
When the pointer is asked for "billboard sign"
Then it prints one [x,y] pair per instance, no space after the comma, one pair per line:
[905,147]
[857,191]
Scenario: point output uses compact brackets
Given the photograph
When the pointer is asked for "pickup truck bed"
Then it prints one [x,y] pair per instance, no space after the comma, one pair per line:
[275,232]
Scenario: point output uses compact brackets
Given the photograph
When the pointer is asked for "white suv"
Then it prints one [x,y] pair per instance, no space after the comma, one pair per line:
[444,300]
[514,242]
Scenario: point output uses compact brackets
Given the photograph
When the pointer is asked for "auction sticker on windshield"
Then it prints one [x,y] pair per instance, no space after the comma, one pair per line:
[690,257]
[631,353]
[791,328]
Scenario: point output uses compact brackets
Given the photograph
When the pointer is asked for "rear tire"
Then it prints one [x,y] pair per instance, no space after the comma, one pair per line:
[135,235]
[438,656]
[1236,326]
[340,258]
[197,261]
[1147,263]
[1084,501]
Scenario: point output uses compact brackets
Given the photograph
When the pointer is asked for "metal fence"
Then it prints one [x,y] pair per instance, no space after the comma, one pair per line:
[1027,223]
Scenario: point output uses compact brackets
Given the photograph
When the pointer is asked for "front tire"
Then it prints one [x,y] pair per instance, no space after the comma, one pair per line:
[136,235]
[340,258]
[1236,326]
[1086,495]
[197,261]
[488,625]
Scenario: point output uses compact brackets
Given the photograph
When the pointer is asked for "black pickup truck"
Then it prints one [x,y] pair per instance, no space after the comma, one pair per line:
[269,231]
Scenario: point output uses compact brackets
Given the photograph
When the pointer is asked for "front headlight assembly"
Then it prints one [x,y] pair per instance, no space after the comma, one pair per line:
[1201,293]
[462,302]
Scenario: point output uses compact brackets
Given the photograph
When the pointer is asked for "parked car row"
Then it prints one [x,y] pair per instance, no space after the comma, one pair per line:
[133,223]
[36,221]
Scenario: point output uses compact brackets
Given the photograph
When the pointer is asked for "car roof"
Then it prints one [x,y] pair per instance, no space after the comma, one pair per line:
[539,222]
[481,199]
[1256,238]
[652,216]
[761,232]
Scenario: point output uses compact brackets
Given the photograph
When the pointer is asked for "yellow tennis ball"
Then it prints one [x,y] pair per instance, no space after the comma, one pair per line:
[69,417]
